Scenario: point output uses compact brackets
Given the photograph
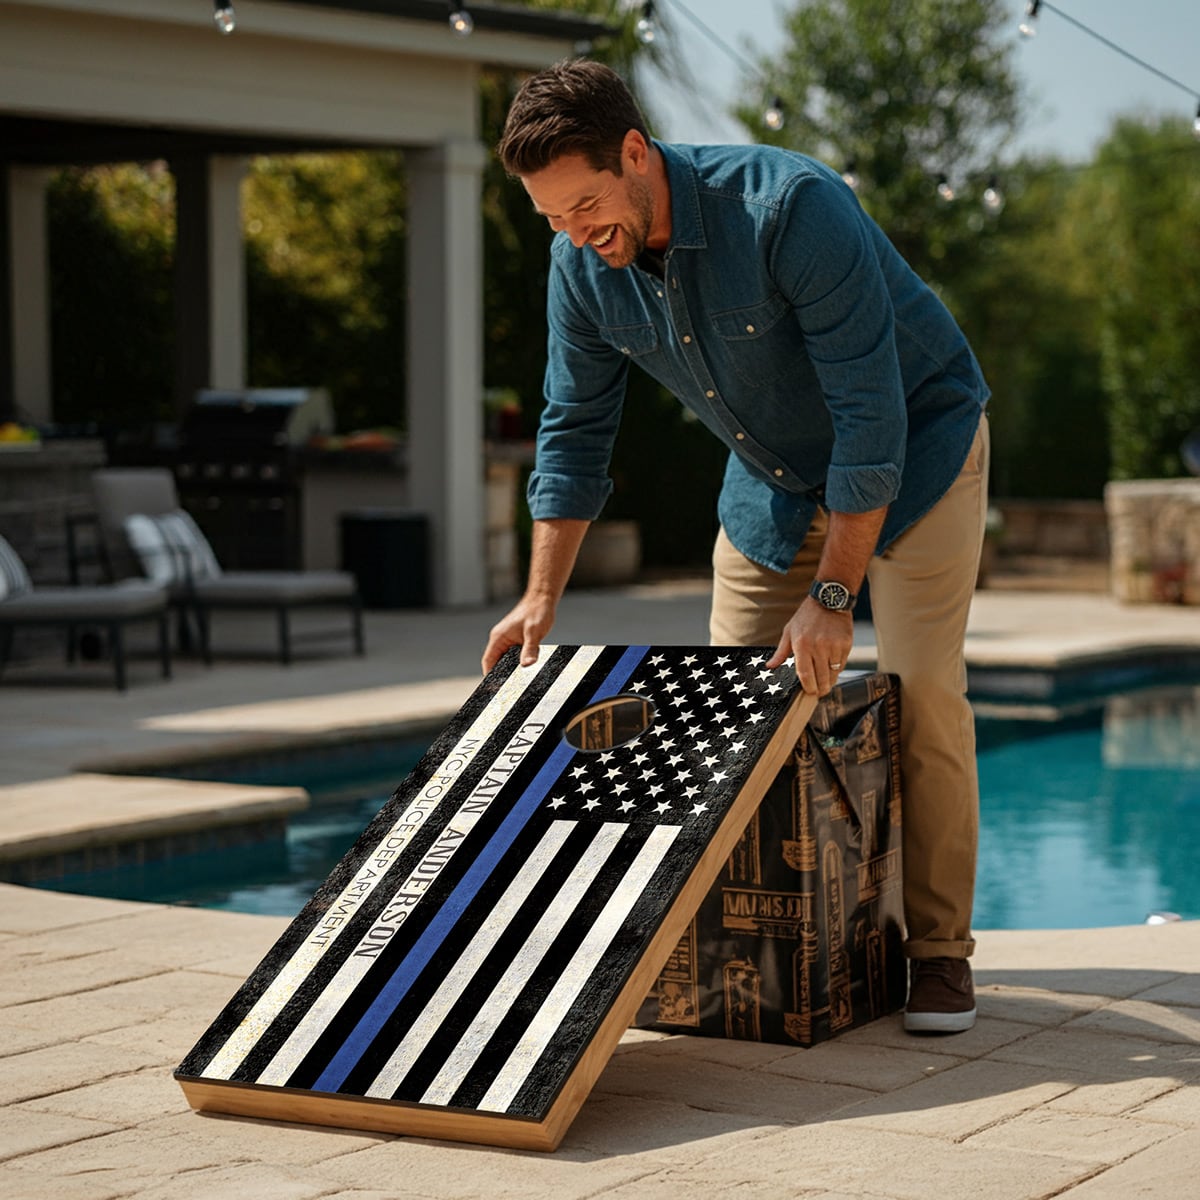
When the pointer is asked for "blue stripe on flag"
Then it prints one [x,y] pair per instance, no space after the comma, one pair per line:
[427,945]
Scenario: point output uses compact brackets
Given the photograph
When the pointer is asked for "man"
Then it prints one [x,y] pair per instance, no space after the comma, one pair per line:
[749,282]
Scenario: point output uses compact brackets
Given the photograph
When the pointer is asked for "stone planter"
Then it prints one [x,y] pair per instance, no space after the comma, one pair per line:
[611,554]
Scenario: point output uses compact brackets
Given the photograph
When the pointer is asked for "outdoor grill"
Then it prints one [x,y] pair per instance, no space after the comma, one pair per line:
[239,472]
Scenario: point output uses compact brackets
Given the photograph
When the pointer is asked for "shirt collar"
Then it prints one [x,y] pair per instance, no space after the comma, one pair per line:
[687,226]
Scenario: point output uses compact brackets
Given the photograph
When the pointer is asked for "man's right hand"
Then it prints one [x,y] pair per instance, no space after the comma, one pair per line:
[524,626]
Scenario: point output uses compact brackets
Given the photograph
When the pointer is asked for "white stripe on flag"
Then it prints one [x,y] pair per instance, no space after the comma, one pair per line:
[578,971]
[494,1009]
[348,976]
[427,1025]
[306,956]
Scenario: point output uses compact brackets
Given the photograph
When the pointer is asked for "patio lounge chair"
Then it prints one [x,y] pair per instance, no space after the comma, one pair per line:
[111,606]
[144,530]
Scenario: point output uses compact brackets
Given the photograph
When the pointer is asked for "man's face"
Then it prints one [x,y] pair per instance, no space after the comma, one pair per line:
[611,213]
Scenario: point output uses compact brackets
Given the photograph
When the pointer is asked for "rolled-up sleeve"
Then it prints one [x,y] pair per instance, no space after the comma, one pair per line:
[823,258]
[584,394]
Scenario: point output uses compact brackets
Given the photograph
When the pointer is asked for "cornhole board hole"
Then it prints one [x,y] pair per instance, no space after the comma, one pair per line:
[467,969]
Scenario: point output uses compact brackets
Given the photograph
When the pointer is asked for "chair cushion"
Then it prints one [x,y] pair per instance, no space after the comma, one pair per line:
[171,548]
[111,602]
[269,588]
[14,579]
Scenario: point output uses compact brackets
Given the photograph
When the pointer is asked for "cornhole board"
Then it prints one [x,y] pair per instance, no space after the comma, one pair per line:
[470,965]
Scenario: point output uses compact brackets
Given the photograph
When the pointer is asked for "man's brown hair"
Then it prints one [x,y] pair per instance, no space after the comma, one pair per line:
[574,107]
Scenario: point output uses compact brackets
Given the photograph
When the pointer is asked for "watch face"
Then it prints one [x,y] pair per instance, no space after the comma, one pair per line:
[834,595]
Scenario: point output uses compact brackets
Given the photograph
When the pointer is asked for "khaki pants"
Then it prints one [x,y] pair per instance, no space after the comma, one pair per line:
[921,590]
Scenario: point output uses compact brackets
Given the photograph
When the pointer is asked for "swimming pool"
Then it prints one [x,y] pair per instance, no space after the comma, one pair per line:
[1090,816]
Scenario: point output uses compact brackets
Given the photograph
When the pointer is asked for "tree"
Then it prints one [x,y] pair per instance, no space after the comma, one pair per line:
[906,91]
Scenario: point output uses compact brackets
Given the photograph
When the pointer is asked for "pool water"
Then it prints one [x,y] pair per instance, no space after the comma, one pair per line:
[1089,817]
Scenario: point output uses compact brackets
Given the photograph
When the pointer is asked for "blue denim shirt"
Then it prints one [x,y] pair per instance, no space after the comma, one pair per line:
[790,326]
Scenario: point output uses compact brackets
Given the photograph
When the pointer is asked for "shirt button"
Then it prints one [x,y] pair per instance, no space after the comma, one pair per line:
[778,472]
[749,328]
[687,337]
[658,293]
[710,393]
[741,437]
[624,349]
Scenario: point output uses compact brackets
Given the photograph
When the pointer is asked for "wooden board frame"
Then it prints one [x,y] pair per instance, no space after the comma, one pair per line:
[740,743]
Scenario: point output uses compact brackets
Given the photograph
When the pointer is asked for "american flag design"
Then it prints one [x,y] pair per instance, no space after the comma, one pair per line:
[462,955]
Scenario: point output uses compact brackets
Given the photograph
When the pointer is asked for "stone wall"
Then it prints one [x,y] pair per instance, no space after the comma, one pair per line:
[1154,527]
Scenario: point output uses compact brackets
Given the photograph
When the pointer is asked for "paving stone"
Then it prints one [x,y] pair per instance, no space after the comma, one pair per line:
[659,1131]
[987,1034]
[31,910]
[731,1052]
[1087,1055]
[720,1088]
[255,1180]
[1183,990]
[24,1131]
[167,1038]
[1166,1171]
[841,1158]
[1114,1097]
[19,1183]
[862,1066]
[957,1103]
[127,1100]
[1072,1135]
[1180,1106]
[42,980]
[460,1172]
[58,1068]
[1033,1006]
[1144,1018]
[1116,983]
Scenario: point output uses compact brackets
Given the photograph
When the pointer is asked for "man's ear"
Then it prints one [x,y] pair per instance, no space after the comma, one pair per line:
[635,152]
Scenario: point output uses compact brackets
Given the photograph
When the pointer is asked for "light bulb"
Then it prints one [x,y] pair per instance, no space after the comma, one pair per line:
[944,190]
[774,116]
[645,29]
[224,16]
[993,197]
[462,22]
[1027,27]
[850,176]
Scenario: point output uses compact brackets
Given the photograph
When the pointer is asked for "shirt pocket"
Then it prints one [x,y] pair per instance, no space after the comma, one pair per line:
[640,343]
[757,340]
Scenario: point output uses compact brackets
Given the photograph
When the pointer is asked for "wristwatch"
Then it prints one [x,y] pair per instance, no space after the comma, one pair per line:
[837,597]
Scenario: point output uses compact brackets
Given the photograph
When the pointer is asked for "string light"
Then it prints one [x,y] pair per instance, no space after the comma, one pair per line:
[774,116]
[461,20]
[224,17]
[1027,27]
[993,197]
[646,29]
[944,189]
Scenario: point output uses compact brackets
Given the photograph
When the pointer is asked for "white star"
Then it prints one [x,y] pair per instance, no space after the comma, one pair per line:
[749,701]
[606,756]
[662,806]
[656,660]
[638,759]
[701,745]
[648,773]
[668,744]
[712,758]
[737,746]
[670,687]
[625,805]
[755,718]
[682,775]
[712,701]
[618,788]
[689,792]
[580,770]
[704,686]
[665,673]
[718,776]
[775,687]
[591,804]
[557,802]
[738,688]
[654,789]
[697,809]
[612,772]
[586,786]
[674,758]
[720,662]
[691,658]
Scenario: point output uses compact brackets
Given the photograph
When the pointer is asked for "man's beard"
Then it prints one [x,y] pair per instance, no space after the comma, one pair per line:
[633,236]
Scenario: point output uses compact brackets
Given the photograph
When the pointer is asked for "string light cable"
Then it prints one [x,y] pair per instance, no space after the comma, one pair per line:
[1028,27]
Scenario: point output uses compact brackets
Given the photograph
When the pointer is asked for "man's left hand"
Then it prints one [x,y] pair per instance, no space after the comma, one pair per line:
[820,641]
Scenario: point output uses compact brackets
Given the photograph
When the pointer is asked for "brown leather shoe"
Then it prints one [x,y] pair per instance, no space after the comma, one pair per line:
[941,996]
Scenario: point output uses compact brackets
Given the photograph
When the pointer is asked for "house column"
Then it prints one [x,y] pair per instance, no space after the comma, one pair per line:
[25,309]
[445,363]
[210,276]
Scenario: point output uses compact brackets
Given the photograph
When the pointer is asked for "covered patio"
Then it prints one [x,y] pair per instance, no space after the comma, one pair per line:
[99,81]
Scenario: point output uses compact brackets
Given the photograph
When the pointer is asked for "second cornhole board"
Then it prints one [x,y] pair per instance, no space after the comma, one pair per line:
[468,968]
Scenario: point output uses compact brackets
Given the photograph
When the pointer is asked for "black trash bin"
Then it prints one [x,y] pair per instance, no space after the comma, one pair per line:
[387,551]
